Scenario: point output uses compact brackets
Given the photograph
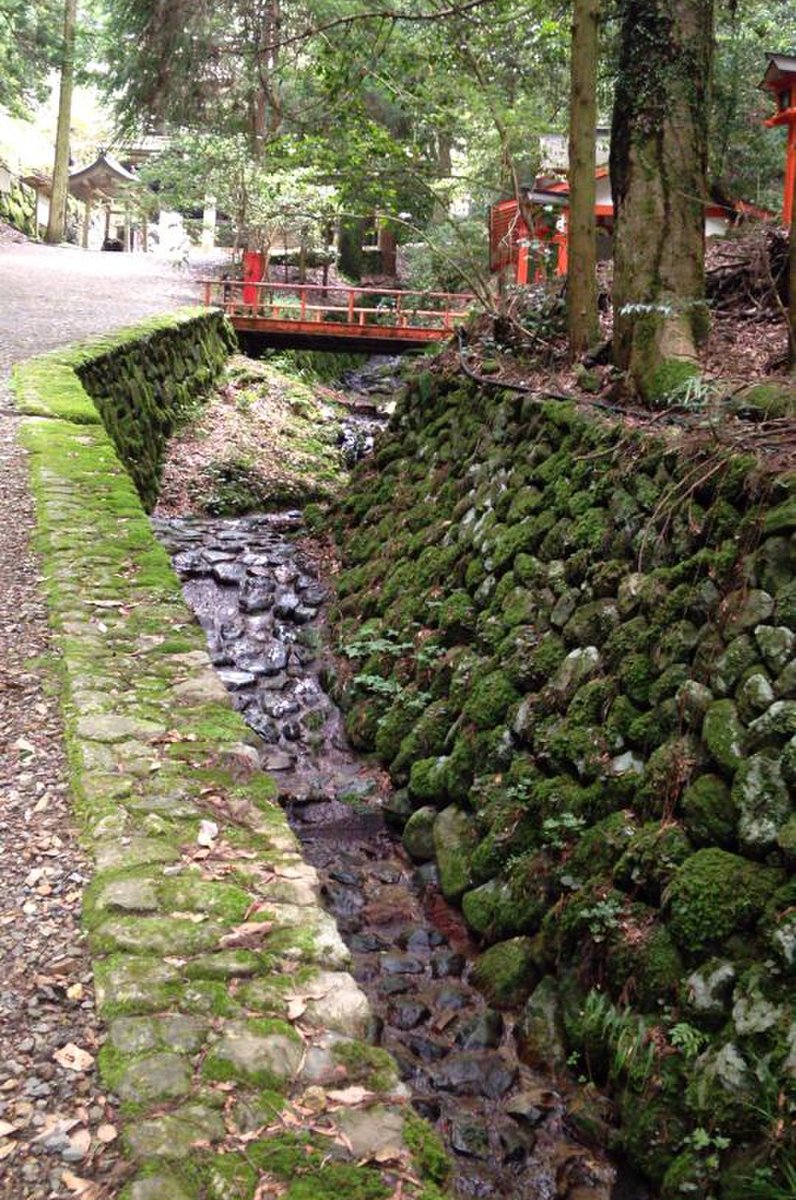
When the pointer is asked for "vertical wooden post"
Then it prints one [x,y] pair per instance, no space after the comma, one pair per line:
[86,223]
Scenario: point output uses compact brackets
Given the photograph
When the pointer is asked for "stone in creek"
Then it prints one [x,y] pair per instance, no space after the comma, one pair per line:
[254,599]
[532,1106]
[406,1014]
[191,563]
[235,679]
[277,760]
[453,998]
[221,657]
[285,574]
[346,876]
[446,964]
[303,614]
[470,1137]
[278,707]
[420,939]
[481,1032]
[263,727]
[229,632]
[425,1049]
[314,595]
[291,731]
[395,985]
[285,604]
[344,900]
[475,1074]
[516,1143]
[229,574]
[427,1108]
[273,683]
[401,964]
[367,943]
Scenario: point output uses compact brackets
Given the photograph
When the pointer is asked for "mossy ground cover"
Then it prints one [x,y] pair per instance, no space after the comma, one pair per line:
[191,913]
[607,707]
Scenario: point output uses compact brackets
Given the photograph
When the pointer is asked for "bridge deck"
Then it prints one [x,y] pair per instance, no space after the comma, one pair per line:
[336,318]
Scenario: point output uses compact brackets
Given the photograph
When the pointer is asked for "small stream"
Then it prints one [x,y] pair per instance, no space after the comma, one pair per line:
[259,597]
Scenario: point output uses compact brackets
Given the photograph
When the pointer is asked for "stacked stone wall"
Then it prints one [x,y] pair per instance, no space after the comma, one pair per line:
[17,203]
[572,641]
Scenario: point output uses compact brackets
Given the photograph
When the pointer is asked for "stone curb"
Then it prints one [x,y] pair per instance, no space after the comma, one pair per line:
[233,1025]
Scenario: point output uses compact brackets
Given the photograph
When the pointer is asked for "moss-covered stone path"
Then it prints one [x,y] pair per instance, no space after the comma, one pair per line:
[220,982]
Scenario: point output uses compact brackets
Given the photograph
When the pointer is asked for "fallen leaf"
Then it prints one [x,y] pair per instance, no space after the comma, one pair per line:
[9,1148]
[83,1188]
[80,1140]
[73,1058]
[75,992]
[246,934]
[296,1009]
[6,1127]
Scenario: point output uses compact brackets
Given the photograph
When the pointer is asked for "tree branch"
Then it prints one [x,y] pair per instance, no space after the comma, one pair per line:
[375,14]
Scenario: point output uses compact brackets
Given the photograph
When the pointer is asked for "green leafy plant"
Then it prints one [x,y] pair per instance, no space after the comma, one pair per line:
[689,1040]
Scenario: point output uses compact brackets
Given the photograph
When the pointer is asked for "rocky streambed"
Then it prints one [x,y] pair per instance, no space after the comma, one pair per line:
[511,1132]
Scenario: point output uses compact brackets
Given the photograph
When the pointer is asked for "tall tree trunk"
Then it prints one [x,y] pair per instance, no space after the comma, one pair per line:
[658,167]
[582,235]
[56,224]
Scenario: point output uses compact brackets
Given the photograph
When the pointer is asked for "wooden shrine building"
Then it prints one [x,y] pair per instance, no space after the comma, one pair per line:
[780,80]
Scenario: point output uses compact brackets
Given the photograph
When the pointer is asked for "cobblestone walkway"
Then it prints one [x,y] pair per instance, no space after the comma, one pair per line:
[56,1126]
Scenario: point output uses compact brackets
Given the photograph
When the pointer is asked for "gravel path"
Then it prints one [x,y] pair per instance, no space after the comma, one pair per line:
[56,1126]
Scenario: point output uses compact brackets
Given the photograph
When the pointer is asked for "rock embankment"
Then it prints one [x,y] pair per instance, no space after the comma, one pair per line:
[573,643]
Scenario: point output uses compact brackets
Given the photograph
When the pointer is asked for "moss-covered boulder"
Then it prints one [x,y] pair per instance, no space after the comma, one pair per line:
[507,972]
[455,837]
[715,894]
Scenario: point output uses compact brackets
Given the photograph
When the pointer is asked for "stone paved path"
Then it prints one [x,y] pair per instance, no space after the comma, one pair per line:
[53,1119]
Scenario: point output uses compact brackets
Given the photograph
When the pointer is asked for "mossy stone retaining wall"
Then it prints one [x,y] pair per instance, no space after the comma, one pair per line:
[17,203]
[138,384]
[576,642]
[222,982]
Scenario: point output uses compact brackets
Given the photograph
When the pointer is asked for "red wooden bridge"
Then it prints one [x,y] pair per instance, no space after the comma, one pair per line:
[353,319]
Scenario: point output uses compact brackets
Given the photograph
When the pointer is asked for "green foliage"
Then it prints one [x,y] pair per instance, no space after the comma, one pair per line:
[29,43]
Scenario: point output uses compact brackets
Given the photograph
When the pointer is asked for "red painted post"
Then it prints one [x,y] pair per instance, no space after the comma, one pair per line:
[351,306]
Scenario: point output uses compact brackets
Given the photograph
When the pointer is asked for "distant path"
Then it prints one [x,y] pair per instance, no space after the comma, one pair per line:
[53,295]
[48,297]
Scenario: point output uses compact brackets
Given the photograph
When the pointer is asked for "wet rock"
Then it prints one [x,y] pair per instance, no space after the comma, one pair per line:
[540,1033]
[285,604]
[506,973]
[426,1049]
[452,998]
[235,679]
[406,1014]
[254,598]
[470,1138]
[401,964]
[481,1032]
[763,801]
[418,835]
[475,1075]
[447,964]
[228,574]
[532,1105]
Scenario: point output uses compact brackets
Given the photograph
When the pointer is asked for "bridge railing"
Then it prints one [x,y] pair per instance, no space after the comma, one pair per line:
[338,304]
